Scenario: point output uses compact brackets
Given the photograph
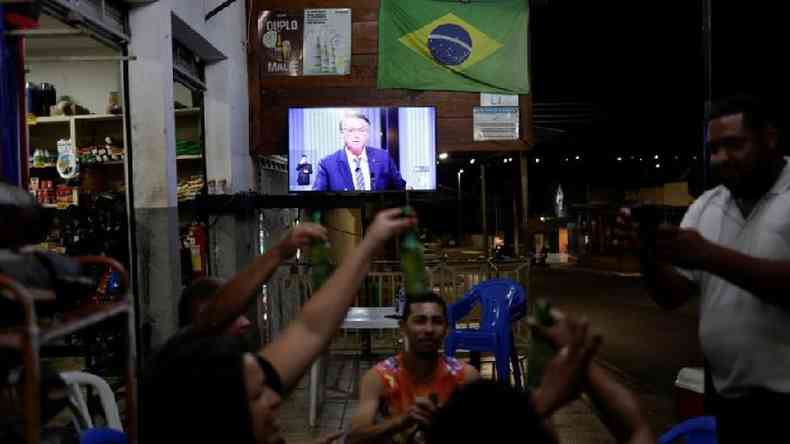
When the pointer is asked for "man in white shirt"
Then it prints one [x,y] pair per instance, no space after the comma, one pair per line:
[733,249]
[357,166]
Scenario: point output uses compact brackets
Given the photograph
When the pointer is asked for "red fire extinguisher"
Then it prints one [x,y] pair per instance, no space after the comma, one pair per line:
[199,250]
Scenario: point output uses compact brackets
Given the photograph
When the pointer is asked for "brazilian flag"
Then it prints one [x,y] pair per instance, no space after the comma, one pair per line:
[475,45]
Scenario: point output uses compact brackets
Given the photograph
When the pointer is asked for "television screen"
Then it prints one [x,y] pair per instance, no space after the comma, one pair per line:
[362,149]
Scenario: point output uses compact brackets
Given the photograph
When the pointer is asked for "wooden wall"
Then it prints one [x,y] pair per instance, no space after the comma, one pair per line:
[270,97]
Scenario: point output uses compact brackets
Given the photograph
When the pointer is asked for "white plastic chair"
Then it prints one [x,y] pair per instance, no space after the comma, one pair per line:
[75,382]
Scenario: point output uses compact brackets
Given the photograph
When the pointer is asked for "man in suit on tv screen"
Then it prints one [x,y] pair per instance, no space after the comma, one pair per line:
[357,166]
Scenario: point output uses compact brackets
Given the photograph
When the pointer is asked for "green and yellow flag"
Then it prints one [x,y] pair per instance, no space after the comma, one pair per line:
[480,45]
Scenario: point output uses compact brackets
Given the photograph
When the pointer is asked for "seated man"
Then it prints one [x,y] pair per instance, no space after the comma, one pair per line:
[357,166]
[490,412]
[405,389]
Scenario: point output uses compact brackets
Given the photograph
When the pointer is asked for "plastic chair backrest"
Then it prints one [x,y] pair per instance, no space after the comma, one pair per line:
[103,436]
[75,381]
[500,300]
[699,430]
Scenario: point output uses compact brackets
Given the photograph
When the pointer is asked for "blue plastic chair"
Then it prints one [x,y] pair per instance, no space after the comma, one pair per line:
[103,436]
[699,430]
[501,301]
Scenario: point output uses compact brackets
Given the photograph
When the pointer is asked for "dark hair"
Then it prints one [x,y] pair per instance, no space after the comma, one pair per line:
[353,115]
[193,390]
[486,411]
[24,222]
[427,297]
[198,292]
[757,113]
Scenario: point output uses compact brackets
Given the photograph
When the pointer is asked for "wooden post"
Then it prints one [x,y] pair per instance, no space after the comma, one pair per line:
[524,176]
[484,208]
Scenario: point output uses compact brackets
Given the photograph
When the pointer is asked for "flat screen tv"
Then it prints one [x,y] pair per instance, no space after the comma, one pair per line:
[359,150]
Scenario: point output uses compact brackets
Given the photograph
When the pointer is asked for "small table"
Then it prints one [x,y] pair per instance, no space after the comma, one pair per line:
[357,318]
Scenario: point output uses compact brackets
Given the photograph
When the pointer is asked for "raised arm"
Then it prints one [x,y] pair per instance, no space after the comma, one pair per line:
[766,279]
[307,336]
[665,285]
[573,370]
[233,298]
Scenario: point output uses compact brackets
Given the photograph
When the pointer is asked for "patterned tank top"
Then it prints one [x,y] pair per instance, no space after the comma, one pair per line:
[401,392]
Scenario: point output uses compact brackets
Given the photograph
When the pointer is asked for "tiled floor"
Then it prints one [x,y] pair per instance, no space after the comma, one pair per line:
[576,423]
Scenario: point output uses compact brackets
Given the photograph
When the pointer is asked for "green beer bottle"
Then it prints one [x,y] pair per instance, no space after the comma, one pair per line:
[321,266]
[412,261]
[541,350]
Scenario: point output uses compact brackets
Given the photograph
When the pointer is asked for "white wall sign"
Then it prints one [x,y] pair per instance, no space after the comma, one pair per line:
[487,99]
[327,42]
[495,123]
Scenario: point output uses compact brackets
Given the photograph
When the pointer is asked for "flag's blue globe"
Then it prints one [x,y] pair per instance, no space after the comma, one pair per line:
[450,44]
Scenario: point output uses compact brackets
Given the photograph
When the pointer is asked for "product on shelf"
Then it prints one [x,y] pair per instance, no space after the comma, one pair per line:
[189,188]
[114,103]
[43,192]
[188,148]
[44,158]
[109,152]
[67,107]
[67,165]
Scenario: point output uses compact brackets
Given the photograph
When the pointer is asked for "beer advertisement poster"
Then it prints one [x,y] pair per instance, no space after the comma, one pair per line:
[280,43]
[327,42]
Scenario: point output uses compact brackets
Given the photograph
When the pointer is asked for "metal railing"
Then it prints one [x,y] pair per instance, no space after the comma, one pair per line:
[290,287]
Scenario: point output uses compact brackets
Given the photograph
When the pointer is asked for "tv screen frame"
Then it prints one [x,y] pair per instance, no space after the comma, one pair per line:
[328,165]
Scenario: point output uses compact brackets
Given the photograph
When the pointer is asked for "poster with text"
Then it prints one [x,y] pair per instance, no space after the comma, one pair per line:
[327,42]
[280,37]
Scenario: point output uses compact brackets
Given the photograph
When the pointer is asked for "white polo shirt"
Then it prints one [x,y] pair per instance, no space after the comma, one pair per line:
[745,340]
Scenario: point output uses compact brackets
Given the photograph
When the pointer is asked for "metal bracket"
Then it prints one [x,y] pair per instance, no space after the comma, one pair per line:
[80,59]
[45,33]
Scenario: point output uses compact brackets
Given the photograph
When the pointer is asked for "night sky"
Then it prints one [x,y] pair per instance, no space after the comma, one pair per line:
[613,82]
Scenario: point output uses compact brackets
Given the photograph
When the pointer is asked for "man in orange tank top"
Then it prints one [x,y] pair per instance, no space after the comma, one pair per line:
[399,395]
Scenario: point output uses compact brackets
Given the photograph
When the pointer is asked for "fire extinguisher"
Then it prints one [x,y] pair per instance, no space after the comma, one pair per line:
[199,250]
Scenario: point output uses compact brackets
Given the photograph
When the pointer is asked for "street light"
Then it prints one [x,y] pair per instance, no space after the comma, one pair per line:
[471,161]
[443,156]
